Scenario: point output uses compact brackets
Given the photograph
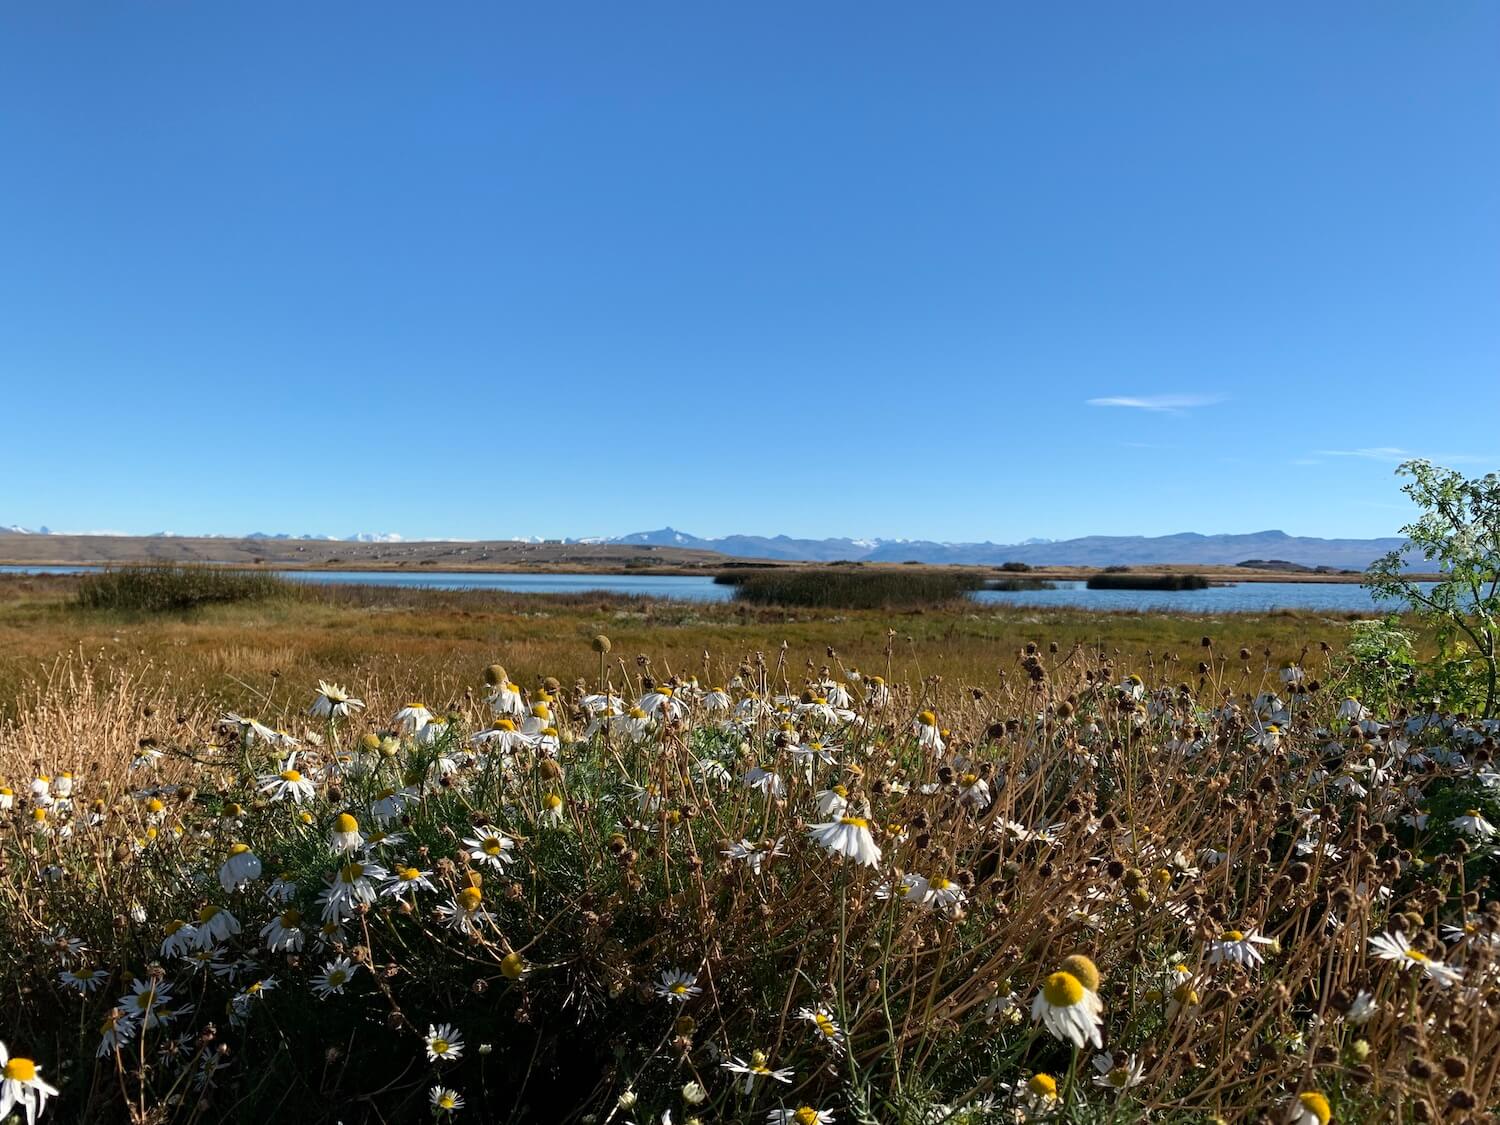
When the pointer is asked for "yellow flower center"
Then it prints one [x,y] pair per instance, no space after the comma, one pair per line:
[1317,1105]
[1042,1085]
[440,1046]
[345,824]
[291,775]
[856,821]
[503,724]
[155,805]
[470,898]
[1063,990]
[679,989]
[208,913]
[636,713]
[352,872]
[1418,955]
[825,1024]
[447,1101]
[493,846]
[939,883]
[927,719]
[1233,935]
[1084,969]
[805,1115]
[238,849]
[416,707]
[20,1070]
[291,919]
[337,977]
[408,874]
[552,801]
[512,966]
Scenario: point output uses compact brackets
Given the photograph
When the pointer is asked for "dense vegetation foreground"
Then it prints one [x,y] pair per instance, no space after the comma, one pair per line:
[1083,891]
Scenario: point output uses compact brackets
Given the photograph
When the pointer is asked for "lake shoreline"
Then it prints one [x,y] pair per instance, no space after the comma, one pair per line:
[1215,573]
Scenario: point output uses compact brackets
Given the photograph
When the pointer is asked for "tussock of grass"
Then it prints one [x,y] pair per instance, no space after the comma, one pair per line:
[174,589]
[852,589]
[1109,581]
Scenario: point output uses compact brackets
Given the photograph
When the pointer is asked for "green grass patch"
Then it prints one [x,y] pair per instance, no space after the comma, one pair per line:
[174,589]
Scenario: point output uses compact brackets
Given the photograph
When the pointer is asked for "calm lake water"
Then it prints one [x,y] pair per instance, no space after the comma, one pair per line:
[1239,597]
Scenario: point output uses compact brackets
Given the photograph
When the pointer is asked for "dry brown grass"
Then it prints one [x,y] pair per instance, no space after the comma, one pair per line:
[433,641]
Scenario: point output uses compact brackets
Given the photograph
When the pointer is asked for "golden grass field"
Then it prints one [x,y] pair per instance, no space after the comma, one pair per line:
[433,642]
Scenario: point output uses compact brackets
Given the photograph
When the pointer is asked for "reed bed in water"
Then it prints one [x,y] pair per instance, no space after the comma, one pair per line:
[851,588]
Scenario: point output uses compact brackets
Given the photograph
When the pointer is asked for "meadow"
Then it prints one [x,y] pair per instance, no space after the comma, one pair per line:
[380,855]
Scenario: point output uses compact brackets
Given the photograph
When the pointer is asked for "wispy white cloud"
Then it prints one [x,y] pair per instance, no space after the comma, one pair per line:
[1157,404]
[1394,455]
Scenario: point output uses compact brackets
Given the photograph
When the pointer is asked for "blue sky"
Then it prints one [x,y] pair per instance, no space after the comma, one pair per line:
[962,271]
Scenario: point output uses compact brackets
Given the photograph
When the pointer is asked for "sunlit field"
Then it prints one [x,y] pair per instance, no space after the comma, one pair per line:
[386,856]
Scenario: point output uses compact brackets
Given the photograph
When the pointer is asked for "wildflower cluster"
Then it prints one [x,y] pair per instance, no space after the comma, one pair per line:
[762,897]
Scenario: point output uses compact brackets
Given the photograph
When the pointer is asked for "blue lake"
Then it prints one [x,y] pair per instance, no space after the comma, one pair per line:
[1238,597]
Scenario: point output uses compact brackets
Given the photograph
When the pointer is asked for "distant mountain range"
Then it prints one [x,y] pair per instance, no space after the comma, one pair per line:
[357,537]
[1186,548]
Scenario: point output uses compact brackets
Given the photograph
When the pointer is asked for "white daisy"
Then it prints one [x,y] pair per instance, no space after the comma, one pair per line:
[412,718]
[848,836]
[677,986]
[754,856]
[334,702]
[288,783]
[1069,1010]
[445,1101]
[283,933]
[755,1068]
[21,1085]
[345,835]
[1395,947]
[1473,823]
[239,869]
[334,977]
[824,1024]
[490,848]
[1237,948]
[443,1042]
